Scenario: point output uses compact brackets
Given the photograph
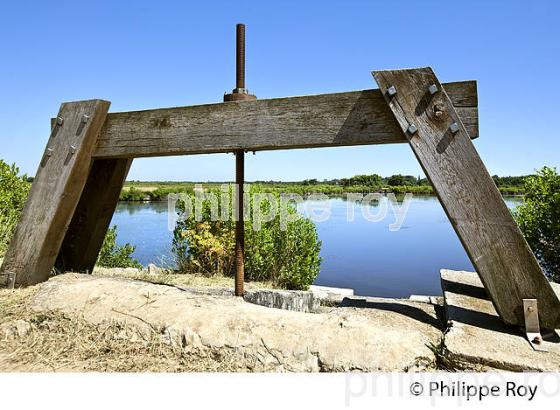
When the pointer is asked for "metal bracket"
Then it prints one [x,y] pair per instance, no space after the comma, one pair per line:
[10,280]
[532,329]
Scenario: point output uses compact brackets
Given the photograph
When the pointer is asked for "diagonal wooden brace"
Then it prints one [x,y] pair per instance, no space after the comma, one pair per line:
[55,192]
[489,234]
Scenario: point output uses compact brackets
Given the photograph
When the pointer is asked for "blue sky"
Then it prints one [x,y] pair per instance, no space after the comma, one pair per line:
[149,54]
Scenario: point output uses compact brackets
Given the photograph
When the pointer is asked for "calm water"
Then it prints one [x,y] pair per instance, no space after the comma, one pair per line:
[359,254]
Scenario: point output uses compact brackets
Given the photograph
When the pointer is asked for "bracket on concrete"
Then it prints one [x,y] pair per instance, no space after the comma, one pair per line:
[10,280]
[532,329]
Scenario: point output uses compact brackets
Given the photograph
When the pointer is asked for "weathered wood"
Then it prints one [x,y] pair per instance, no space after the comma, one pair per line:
[93,214]
[493,241]
[55,192]
[342,119]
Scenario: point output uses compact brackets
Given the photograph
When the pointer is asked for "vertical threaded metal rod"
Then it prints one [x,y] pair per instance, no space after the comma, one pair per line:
[239,224]
[240,67]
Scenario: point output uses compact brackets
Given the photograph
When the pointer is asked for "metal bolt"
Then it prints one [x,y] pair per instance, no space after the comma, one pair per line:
[530,309]
[438,110]
[49,152]
[72,149]
[537,340]
[433,89]
[85,118]
[59,121]
[412,129]
[392,90]
[454,128]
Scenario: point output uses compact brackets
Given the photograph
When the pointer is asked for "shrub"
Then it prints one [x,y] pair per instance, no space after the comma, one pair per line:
[14,190]
[539,218]
[133,194]
[116,256]
[287,257]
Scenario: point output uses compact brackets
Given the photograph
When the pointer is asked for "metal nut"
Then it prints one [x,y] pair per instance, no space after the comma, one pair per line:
[454,128]
[391,91]
[412,129]
[85,118]
[59,121]
[72,149]
[433,89]
[49,152]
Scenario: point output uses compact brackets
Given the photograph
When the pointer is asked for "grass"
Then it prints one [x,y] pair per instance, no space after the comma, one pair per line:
[185,280]
[58,342]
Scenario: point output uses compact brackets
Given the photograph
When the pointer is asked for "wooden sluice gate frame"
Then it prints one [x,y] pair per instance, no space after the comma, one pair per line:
[90,151]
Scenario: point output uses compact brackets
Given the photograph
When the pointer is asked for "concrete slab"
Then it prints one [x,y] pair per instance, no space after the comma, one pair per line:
[330,294]
[478,336]
[394,335]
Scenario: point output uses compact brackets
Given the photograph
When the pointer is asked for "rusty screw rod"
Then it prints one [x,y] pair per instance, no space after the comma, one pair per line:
[240,63]
[239,223]
[240,93]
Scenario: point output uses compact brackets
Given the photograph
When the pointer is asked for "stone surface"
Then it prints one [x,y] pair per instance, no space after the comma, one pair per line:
[330,294]
[477,335]
[298,301]
[388,335]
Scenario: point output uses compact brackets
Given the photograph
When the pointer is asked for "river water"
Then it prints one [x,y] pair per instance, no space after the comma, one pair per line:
[366,256]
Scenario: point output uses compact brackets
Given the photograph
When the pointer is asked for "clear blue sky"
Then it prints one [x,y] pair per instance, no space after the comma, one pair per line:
[149,54]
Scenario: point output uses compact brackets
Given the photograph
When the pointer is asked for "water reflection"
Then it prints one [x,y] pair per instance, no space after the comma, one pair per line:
[358,254]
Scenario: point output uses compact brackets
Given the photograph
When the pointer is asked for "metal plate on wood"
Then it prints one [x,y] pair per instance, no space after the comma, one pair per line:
[532,328]
[10,280]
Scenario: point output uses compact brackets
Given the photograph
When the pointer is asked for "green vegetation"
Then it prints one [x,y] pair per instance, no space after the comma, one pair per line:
[13,193]
[116,256]
[397,184]
[287,256]
[539,218]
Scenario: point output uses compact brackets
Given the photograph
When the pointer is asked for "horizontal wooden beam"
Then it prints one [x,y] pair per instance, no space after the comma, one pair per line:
[327,120]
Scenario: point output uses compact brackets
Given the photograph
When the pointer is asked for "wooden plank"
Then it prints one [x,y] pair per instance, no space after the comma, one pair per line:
[493,241]
[342,119]
[85,235]
[55,192]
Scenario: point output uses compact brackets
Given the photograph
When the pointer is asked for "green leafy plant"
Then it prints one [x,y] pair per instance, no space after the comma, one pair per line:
[14,190]
[287,256]
[539,218]
[116,256]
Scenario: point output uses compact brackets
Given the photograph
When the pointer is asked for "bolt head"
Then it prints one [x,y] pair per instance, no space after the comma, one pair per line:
[72,149]
[59,121]
[433,89]
[392,90]
[454,128]
[412,129]
[85,118]
[49,152]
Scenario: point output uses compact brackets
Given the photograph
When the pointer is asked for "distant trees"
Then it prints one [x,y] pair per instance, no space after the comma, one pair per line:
[509,181]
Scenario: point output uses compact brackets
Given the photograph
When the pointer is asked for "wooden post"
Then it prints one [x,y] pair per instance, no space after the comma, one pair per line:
[493,241]
[239,223]
[85,235]
[55,192]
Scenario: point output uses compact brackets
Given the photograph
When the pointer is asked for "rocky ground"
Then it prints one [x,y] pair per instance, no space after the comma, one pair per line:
[110,322]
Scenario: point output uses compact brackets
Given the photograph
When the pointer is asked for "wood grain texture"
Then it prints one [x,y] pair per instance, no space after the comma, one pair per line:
[493,241]
[86,232]
[342,119]
[55,192]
